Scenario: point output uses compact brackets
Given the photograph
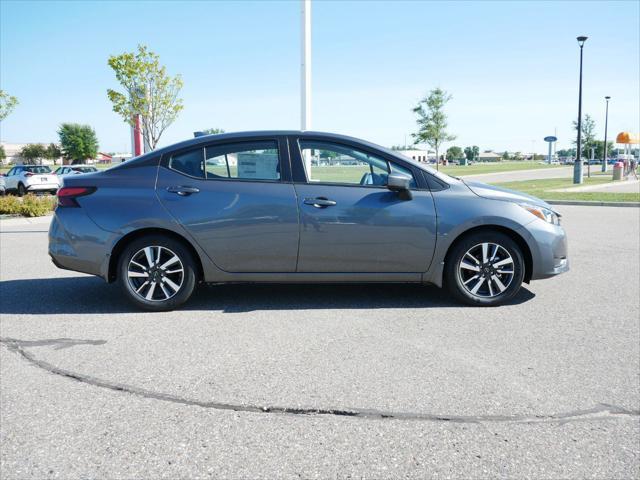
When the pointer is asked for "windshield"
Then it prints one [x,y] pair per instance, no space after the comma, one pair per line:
[85,169]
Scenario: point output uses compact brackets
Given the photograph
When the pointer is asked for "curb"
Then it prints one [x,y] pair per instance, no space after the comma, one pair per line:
[8,222]
[587,203]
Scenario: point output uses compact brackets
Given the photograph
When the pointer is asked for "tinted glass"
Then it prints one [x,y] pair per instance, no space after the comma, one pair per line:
[38,169]
[334,163]
[189,163]
[247,160]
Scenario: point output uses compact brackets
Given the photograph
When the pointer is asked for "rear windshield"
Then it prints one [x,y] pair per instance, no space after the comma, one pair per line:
[85,169]
[38,169]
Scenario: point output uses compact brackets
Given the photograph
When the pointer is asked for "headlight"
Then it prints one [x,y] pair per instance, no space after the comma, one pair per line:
[542,213]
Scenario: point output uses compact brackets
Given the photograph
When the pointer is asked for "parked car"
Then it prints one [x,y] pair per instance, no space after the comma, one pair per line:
[74,170]
[250,207]
[23,179]
[3,189]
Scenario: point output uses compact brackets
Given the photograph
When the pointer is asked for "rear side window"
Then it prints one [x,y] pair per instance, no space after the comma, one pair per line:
[189,163]
[258,160]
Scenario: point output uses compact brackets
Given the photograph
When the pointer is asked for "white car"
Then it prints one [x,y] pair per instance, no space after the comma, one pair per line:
[3,190]
[74,170]
[23,179]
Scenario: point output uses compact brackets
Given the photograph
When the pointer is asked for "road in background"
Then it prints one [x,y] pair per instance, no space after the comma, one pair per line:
[546,387]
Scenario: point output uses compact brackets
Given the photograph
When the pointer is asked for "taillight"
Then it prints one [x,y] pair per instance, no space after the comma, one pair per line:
[28,174]
[67,195]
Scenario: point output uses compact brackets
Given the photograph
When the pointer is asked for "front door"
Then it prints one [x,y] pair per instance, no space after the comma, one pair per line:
[232,199]
[350,222]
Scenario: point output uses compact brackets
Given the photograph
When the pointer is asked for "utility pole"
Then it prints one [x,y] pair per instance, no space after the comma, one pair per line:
[577,166]
[305,75]
[606,121]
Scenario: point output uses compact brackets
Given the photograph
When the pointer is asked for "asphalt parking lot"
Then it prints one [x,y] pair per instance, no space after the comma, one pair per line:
[371,381]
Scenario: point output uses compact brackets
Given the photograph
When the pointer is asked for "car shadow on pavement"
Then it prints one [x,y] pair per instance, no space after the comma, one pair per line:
[77,295]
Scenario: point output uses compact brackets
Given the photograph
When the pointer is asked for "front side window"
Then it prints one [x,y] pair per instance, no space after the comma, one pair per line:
[247,161]
[334,163]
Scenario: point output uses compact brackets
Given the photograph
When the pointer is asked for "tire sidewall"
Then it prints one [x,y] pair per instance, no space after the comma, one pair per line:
[454,282]
[188,263]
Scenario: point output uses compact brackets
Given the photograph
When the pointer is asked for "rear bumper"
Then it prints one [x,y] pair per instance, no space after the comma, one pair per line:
[77,243]
[38,187]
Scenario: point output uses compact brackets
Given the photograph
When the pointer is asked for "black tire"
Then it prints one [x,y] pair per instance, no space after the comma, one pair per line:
[163,278]
[489,292]
[21,190]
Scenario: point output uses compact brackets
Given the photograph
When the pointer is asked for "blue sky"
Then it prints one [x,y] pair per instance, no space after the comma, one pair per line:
[512,67]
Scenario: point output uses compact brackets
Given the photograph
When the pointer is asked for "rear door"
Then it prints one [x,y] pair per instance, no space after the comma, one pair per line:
[237,201]
[349,221]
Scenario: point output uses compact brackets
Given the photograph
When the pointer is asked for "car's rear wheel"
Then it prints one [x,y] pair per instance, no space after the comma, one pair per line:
[485,269]
[157,272]
[21,190]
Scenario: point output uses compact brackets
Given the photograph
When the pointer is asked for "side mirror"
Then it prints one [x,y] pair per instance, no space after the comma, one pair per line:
[396,182]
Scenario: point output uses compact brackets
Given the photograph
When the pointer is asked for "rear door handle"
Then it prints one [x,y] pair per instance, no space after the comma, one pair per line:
[182,190]
[320,202]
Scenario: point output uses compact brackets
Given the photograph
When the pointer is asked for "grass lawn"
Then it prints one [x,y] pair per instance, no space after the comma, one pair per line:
[493,167]
[542,189]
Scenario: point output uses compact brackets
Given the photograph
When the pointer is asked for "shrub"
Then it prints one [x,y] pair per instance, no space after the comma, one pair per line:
[28,206]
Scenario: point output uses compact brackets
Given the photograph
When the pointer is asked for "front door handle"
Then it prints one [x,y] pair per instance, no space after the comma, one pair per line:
[320,202]
[182,190]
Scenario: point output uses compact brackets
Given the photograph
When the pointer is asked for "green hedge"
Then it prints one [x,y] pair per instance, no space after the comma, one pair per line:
[27,206]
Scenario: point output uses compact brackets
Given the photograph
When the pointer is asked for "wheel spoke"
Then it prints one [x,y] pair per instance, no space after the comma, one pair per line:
[170,262]
[471,279]
[169,272]
[138,274]
[495,252]
[164,290]
[472,258]
[500,285]
[468,266]
[490,287]
[505,261]
[149,254]
[138,265]
[152,289]
[172,284]
[158,257]
[485,252]
[508,272]
[139,289]
[477,286]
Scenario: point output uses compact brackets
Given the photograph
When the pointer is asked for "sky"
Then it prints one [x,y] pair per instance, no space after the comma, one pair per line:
[511,67]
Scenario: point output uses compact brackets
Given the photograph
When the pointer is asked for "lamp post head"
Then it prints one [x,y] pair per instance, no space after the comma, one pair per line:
[581,40]
[607,98]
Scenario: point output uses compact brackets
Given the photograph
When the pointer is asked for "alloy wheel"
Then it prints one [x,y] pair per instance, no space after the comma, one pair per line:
[486,270]
[155,273]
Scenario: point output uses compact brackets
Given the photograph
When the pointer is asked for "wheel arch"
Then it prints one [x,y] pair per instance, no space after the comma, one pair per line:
[120,245]
[515,236]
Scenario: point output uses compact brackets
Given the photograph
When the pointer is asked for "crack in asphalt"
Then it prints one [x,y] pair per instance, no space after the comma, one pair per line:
[599,412]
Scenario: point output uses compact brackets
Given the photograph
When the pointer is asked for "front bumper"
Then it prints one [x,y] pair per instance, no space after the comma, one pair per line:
[549,249]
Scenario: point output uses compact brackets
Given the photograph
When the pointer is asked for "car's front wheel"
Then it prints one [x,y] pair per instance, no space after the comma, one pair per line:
[485,269]
[157,273]
[21,190]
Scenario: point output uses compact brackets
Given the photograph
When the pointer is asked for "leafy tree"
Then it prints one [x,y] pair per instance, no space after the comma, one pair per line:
[598,146]
[454,153]
[79,142]
[3,154]
[33,153]
[472,153]
[7,104]
[149,92]
[518,156]
[213,131]
[588,134]
[52,152]
[432,121]
[569,152]
[506,156]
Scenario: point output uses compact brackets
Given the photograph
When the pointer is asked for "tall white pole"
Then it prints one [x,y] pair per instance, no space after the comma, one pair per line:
[305,76]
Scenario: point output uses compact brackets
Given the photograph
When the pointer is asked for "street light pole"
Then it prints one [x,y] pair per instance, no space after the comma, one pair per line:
[305,76]
[606,121]
[577,166]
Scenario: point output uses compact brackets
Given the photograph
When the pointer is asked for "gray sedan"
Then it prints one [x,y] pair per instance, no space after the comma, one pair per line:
[291,206]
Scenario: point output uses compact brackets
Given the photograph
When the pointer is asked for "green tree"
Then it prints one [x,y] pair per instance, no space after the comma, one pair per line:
[518,156]
[3,154]
[568,152]
[598,146]
[213,131]
[432,121]
[454,153]
[472,153]
[52,152]
[506,156]
[78,142]
[588,134]
[7,104]
[33,153]
[149,92]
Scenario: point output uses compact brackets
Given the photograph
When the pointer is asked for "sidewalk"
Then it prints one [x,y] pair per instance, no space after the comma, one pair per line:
[624,186]
[15,221]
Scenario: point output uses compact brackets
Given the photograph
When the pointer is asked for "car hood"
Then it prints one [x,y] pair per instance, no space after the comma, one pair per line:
[485,190]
